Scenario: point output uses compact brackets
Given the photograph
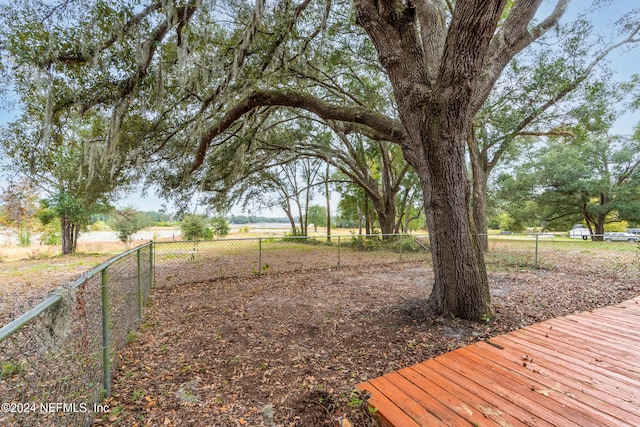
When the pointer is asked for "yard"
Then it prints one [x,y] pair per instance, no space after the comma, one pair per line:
[288,348]
[278,332]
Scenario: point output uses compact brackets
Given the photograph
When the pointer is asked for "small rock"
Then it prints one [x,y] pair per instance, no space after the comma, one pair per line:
[186,393]
[267,413]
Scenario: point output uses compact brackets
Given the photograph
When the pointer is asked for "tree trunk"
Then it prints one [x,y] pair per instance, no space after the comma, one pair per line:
[76,233]
[408,217]
[438,132]
[286,207]
[402,212]
[367,219]
[461,287]
[441,73]
[386,212]
[479,199]
[387,223]
[599,219]
[67,230]
[599,230]
[328,199]
[302,228]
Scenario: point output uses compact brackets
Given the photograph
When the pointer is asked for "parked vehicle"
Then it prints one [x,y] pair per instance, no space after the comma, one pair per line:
[620,237]
[579,232]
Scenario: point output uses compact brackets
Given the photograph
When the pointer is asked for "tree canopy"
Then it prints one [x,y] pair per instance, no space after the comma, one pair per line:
[595,182]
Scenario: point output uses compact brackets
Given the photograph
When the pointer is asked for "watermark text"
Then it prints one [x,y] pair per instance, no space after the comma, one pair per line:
[52,408]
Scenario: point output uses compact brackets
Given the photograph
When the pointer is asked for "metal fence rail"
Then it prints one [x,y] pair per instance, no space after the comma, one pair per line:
[56,360]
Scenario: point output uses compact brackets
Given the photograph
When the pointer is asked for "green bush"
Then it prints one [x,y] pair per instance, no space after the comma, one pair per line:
[366,243]
[193,227]
[51,238]
[208,234]
[220,226]
[406,244]
[51,234]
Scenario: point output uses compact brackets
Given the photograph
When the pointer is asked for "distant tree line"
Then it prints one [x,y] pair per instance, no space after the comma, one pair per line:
[250,219]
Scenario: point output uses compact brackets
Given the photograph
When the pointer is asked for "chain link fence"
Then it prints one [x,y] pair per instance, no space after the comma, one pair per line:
[186,262]
[57,359]
[193,261]
[562,254]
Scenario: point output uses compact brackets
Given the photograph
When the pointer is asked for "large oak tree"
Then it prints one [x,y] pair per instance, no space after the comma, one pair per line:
[191,77]
[442,65]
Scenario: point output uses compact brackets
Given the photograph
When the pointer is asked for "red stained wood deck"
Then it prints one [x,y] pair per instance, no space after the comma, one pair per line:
[580,370]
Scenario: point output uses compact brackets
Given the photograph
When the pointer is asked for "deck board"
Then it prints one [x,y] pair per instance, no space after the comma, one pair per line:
[578,370]
[547,379]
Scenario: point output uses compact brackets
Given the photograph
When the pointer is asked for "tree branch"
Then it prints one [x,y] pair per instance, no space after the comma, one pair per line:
[432,19]
[126,86]
[512,38]
[548,133]
[263,98]
[78,57]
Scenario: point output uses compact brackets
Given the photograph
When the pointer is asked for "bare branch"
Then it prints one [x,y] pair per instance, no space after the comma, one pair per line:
[549,133]
[355,114]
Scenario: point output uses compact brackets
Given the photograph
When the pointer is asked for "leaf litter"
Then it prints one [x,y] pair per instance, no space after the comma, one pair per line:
[287,349]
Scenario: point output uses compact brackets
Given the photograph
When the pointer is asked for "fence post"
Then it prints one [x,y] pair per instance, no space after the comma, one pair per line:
[339,246]
[106,357]
[401,244]
[259,256]
[140,302]
[152,272]
[536,260]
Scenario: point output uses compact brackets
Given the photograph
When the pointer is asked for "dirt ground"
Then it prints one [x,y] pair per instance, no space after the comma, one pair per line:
[287,349]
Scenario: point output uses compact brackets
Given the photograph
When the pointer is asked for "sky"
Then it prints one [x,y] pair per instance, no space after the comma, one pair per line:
[623,63]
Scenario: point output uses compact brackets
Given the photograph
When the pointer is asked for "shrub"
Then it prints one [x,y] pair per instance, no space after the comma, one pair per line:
[127,222]
[366,243]
[51,237]
[219,226]
[193,227]
[208,234]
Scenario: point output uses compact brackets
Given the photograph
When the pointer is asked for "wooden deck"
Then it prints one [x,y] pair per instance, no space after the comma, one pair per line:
[580,370]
